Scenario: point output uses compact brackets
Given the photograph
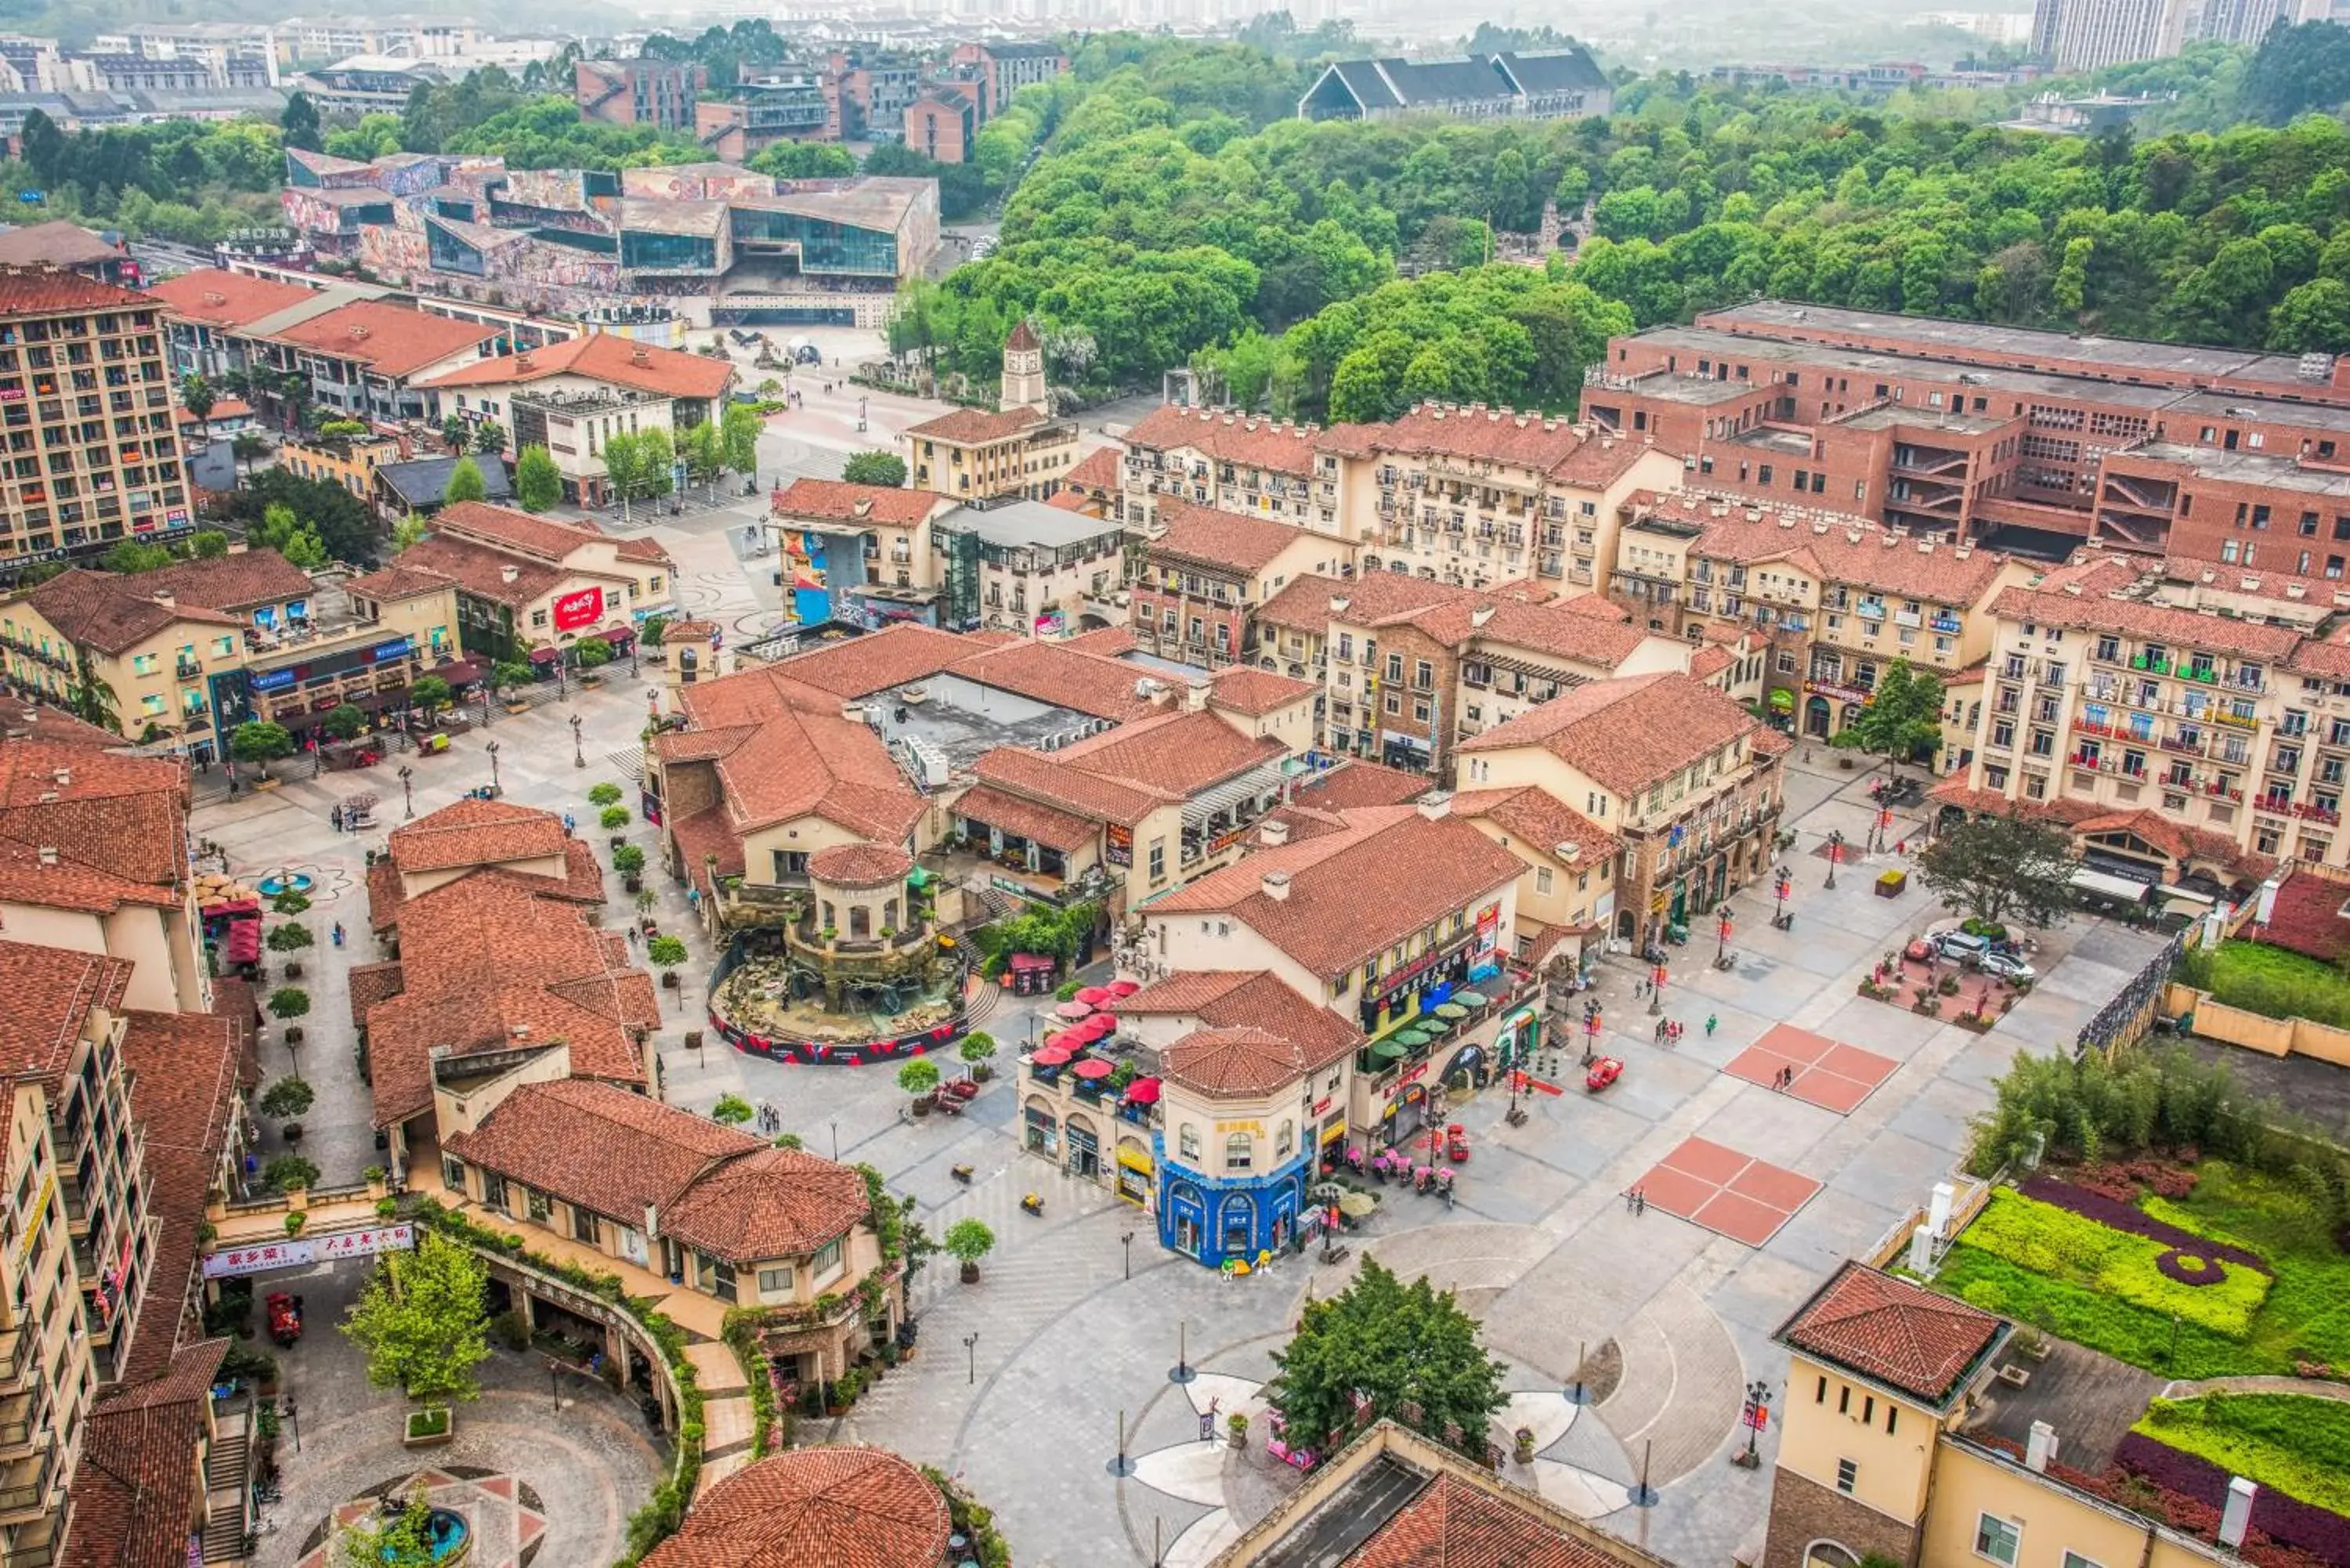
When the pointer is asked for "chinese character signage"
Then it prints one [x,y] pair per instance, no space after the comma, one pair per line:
[297,1251]
[585,607]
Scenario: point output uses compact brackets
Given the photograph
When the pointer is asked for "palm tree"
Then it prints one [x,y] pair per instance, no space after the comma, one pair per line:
[197,397]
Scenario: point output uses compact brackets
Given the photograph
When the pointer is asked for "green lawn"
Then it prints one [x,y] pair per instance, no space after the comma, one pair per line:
[2075,1250]
[2272,981]
[2299,1446]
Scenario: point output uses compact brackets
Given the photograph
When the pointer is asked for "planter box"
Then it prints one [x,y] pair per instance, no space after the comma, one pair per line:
[1891,884]
[264,784]
[517,707]
[429,1428]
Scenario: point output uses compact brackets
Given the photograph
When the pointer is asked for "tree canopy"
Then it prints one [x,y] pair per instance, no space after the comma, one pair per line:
[421,1320]
[883,468]
[1387,1344]
[1902,717]
[2003,868]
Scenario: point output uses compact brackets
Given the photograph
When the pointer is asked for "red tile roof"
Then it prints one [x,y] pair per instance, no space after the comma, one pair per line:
[1233,1062]
[853,667]
[1056,672]
[1832,546]
[860,865]
[1221,541]
[1900,1334]
[475,832]
[112,614]
[832,501]
[48,290]
[602,356]
[1541,819]
[1173,754]
[390,339]
[814,1508]
[476,569]
[2089,609]
[1075,790]
[1452,1524]
[1026,819]
[136,1486]
[23,719]
[770,1203]
[1244,689]
[2308,916]
[1246,440]
[1309,603]
[240,580]
[976,427]
[1099,471]
[50,993]
[1356,782]
[1354,893]
[126,816]
[1256,1000]
[1627,733]
[186,1070]
[60,883]
[519,533]
[399,580]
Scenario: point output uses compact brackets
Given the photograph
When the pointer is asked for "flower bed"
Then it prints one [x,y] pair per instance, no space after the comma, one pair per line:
[2075,1249]
[2103,1323]
[2298,1445]
[2285,1519]
[2156,1224]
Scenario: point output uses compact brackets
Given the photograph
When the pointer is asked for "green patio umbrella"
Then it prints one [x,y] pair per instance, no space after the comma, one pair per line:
[1389,1049]
[1435,1028]
[1452,1010]
[1410,1039]
[1470,997]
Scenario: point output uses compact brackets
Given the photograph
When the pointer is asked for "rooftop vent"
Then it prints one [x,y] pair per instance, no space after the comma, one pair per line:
[1275,885]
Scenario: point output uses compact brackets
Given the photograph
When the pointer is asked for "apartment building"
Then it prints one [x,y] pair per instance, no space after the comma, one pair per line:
[2088,35]
[1837,597]
[2241,508]
[658,93]
[1688,780]
[85,404]
[2186,722]
[527,587]
[1006,66]
[1963,428]
[1233,462]
[1477,496]
[972,454]
[1206,572]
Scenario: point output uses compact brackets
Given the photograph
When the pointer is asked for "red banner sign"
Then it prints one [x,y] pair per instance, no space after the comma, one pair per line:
[585,607]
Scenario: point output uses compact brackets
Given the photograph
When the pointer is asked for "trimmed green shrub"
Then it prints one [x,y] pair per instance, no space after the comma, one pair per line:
[2270,981]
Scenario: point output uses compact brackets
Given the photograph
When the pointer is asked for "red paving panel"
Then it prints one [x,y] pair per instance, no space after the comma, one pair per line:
[1729,1193]
[1852,1061]
[1831,1093]
[1834,1076]
[1797,1045]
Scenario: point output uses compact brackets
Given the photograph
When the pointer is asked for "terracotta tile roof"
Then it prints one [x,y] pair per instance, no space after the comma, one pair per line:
[2308,916]
[187,1067]
[110,613]
[770,1203]
[1074,790]
[854,667]
[22,719]
[1355,784]
[223,408]
[814,1508]
[1627,733]
[1497,621]
[556,978]
[1229,541]
[599,1146]
[801,763]
[1174,755]
[235,1004]
[832,501]
[475,832]
[1025,818]
[404,579]
[976,427]
[1542,820]
[1599,606]
[478,570]
[126,816]
[689,631]
[371,983]
[1309,603]
[50,991]
[2089,611]
[860,865]
[602,356]
[55,243]
[39,290]
[1098,471]
[137,1488]
[1453,1524]
[1902,1335]
[63,884]
[1832,546]
[390,339]
[1354,893]
[1244,689]
[506,530]
[1110,642]
[1246,440]
[1055,672]
[702,837]
[1248,1000]
[239,580]
[1237,1062]
[1076,500]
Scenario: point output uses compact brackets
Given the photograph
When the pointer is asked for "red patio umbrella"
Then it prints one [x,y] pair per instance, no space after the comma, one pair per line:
[1100,1026]
[1094,995]
[1069,1040]
[1093,1067]
[1073,1010]
[1120,990]
[1143,1091]
[1051,1056]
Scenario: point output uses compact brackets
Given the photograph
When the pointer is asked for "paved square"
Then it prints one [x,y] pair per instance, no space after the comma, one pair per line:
[1729,1193]
[1830,1074]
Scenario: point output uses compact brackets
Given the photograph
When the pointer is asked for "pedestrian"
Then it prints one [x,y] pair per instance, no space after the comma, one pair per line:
[335,817]
[1660,1031]
[569,823]
[1711,1020]
[633,936]
[339,933]
[1639,1200]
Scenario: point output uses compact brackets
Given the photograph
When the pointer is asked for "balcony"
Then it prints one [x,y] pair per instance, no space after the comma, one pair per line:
[25,1485]
[2279,804]
[24,1420]
[2314,813]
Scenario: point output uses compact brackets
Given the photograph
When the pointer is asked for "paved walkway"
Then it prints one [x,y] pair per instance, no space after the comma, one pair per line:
[2306,1387]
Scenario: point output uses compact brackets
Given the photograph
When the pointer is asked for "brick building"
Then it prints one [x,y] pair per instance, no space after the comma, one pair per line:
[1206,571]
[658,93]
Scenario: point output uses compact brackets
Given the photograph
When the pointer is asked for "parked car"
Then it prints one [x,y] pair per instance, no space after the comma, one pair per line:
[2008,967]
[1959,948]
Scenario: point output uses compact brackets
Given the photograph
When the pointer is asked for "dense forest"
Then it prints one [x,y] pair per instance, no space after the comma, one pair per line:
[1334,270]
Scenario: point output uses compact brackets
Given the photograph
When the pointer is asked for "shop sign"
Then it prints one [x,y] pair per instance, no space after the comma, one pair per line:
[1852,694]
[1253,1129]
[1321,1106]
[1122,844]
[1416,1070]
[575,610]
[1334,1132]
[1403,975]
[234,1260]
[367,1242]
[1489,929]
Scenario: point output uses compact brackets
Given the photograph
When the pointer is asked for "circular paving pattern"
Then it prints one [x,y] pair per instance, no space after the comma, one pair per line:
[505,1521]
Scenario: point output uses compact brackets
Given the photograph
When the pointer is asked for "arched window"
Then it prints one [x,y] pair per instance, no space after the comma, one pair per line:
[1187,1141]
[1830,1554]
[1240,1151]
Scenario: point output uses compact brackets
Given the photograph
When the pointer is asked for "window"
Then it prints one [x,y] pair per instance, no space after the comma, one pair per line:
[583,1224]
[1240,1151]
[827,1261]
[1284,1141]
[1157,859]
[494,1192]
[536,1205]
[2074,1559]
[1999,1540]
[1187,1141]
[453,1173]
[143,664]
[1541,879]
[1847,1475]
[776,1281]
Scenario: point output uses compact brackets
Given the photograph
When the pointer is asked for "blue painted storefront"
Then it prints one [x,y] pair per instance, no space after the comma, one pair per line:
[1214,1219]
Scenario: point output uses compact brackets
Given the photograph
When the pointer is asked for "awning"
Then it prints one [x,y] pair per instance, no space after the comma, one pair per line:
[544,655]
[2187,895]
[616,632]
[1258,783]
[2109,887]
[1143,1091]
[243,944]
[1452,1010]
[457,672]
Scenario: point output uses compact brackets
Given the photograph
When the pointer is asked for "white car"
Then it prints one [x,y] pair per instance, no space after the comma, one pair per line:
[2007,967]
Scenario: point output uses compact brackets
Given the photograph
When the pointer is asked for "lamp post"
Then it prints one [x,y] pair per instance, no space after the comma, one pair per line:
[408,787]
[1722,947]
[578,757]
[1780,886]
[1182,1372]
[1657,979]
[836,1143]
[1126,1241]
[1836,853]
[492,749]
[971,1354]
[1758,1401]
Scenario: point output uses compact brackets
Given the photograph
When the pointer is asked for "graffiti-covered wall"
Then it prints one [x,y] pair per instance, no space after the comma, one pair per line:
[695,183]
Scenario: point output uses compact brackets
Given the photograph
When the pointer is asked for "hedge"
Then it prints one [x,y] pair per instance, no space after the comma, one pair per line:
[2069,1247]
[2298,1445]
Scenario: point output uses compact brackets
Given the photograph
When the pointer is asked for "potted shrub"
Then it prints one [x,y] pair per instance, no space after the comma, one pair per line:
[1523,1445]
[1236,1424]
[288,1002]
[603,794]
[614,819]
[967,1242]
[920,1078]
[667,953]
[288,1097]
[976,1048]
[509,676]
[428,1428]
[628,860]
[591,655]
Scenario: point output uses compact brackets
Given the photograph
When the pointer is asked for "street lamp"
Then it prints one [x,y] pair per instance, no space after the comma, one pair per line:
[492,749]
[1721,947]
[1780,886]
[1657,990]
[1126,1241]
[1836,853]
[836,1143]
[408,787]
[971,1353]
[1758,1402]
[578,757]
[1182,1371]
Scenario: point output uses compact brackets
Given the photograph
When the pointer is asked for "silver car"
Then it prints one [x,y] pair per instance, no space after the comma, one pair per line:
[2007,967]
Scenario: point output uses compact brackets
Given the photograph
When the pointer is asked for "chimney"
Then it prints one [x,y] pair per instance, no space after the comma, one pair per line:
[2236,1518]
[1436,808]
[64,776]
[2040,1448]
[48,854]
[1274,834]
[167,598]
[509,574]
[518,1031]
[652,1221]
[1275,885]
[1196,695]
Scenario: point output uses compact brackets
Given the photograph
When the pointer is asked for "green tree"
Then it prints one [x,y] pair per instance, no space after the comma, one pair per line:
[732,1110]
[666,952]
[510,675]
[208,545]
[343,721]
[465,482]
[196,396]
[738,438]
[404,1541]
[967,1242]
[2003,869]
[1903,717]
[537,483]
[299,124]
[883,468]
[604,792]
[2312,318]
[919,1076]
[635,468]
[288,1002]
[289,1173]
[260,742]
[287,1097]
[408,532]
[455,434]
[704,452]
[430,694]
[490,438]
[592,653]
[421,1322]
[290,938]
[1391,1344]
[135,555]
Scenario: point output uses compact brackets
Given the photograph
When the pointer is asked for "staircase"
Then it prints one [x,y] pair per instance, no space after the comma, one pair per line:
[226,1467]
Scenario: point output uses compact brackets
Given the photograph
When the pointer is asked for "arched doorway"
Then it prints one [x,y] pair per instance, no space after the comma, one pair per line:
[1041,1130]
[1236,1226]
[1183,1222]
[1085,1147]
[1816,717]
